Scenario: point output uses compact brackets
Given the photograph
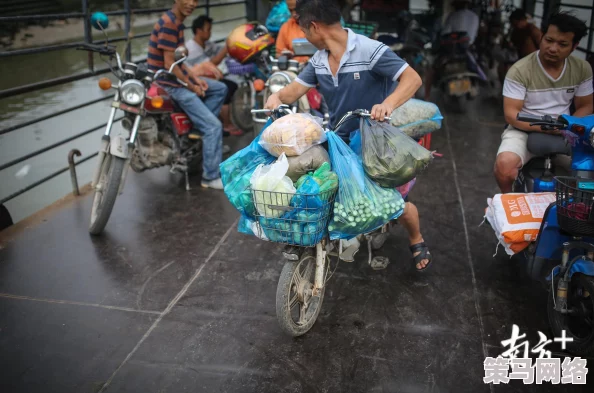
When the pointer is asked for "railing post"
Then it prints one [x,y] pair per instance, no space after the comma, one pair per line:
[88,35]
[207,7]
[127,27]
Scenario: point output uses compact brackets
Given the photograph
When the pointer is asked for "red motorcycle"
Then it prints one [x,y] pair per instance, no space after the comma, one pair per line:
[158,130]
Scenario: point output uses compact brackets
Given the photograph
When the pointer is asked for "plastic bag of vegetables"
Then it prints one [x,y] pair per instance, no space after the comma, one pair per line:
[307,162]
[237,170]
[293,134]
[361,205]
[390,157]
[417,118]
[272,190]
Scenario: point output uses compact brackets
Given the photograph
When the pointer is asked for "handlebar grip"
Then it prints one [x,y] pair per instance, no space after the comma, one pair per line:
[530,118]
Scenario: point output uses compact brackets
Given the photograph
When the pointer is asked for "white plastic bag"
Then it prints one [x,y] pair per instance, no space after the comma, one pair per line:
[293,134]
[273,190]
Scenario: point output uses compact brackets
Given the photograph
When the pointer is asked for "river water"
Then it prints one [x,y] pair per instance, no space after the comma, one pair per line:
[20,70]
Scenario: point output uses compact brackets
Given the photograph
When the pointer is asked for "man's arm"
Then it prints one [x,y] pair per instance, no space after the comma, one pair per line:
[583,105]
[511,108]
[536,35]
[408,84]
[219,56]
[287,95]
[583,94]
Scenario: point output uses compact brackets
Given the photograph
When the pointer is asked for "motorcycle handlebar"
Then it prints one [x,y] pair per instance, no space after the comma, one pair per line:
[101,49]
[532,118]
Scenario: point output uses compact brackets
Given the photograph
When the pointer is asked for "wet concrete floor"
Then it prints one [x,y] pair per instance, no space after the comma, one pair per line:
[172,299]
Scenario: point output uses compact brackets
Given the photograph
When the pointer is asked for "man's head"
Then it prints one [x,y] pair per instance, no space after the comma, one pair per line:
[315,17]
[185,7]
[518,19]
[561,35]
[202,27]
[291,5]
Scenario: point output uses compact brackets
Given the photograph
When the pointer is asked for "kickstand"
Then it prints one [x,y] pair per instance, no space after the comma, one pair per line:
[187,181]
[376,263]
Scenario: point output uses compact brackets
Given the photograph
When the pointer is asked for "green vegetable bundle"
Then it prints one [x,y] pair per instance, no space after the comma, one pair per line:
[390,157]
[361,205]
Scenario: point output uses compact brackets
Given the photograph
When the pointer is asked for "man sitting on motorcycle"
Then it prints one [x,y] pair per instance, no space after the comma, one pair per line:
[201,100]
[354,72]
[545,82]
[204,53]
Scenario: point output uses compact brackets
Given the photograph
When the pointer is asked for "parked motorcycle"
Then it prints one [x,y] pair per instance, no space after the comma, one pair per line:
[566,235]
[459,73]
[158,132]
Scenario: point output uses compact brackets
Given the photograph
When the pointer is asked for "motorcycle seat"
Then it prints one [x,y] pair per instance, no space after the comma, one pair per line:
[541,144]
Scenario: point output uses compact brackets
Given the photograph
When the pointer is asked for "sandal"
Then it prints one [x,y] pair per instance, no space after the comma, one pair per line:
[424,254]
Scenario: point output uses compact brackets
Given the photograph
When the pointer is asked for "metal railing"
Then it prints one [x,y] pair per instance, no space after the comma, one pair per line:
[128,12]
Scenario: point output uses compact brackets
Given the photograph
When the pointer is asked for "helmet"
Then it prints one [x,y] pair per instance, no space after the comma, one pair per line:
[247,40]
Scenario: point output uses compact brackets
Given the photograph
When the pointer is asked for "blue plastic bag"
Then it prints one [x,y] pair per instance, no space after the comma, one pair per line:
[237,170]
[278,15]
[361,205]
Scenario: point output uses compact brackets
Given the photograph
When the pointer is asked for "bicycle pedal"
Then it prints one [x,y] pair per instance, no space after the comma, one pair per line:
[379,263]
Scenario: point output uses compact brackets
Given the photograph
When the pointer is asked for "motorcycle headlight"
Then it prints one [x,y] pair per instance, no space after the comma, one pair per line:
[132,92]
[277,82]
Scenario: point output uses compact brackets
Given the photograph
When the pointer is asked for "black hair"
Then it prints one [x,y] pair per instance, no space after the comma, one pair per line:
[200,22]
[518,15]
[567,23]
[322,11]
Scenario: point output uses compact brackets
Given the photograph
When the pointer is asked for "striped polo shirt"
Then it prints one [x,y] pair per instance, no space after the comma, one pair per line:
[527,80]
[366,76]
[167,35]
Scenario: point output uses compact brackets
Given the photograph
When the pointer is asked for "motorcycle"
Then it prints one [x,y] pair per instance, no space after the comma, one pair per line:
[158,131]
[302,282]
[460,74]
[566,235]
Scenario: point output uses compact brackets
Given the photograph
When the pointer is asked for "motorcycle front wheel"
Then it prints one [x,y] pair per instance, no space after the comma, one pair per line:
[580,323]
[106,192]
[296,307]
[241,106]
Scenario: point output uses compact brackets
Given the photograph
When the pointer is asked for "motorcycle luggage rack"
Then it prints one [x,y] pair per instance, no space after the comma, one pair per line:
[301,219]
[575,205]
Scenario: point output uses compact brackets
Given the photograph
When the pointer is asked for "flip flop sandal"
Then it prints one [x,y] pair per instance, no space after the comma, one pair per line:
[424,254]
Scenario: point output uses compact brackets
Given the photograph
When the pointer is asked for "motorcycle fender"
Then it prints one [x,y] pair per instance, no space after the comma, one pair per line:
[118,146]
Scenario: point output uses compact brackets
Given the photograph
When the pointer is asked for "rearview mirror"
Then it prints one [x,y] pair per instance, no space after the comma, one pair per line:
[99,21]
[180,53]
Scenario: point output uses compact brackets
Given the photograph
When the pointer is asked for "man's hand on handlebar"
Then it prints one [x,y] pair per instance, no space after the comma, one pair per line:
[273,102]
[380,111]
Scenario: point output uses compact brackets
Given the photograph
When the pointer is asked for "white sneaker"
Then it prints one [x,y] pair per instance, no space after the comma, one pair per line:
[216,184]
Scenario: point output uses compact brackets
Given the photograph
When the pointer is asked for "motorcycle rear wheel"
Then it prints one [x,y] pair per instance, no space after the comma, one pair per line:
[294,292]
[106,192]
[580,296]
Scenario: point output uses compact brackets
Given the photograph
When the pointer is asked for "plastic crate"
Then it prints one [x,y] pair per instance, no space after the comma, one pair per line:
[367,29]
[302,226]
[575,201]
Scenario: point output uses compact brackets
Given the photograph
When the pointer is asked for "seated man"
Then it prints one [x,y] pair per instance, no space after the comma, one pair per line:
[201,100]
[545,82]
[205,56]
[381,84]
[289,31]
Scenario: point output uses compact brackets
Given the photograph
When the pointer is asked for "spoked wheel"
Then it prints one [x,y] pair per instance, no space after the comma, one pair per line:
[241,106]
[579,324]
[106,192]
[296,307]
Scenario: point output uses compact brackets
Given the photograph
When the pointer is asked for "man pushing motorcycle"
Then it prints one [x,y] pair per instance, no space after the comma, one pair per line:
[354,72]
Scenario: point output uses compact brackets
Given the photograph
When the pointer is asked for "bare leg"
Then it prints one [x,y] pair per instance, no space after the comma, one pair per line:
[410,221]
[506,170]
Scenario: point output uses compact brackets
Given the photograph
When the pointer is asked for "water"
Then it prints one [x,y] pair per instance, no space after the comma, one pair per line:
[27,69]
